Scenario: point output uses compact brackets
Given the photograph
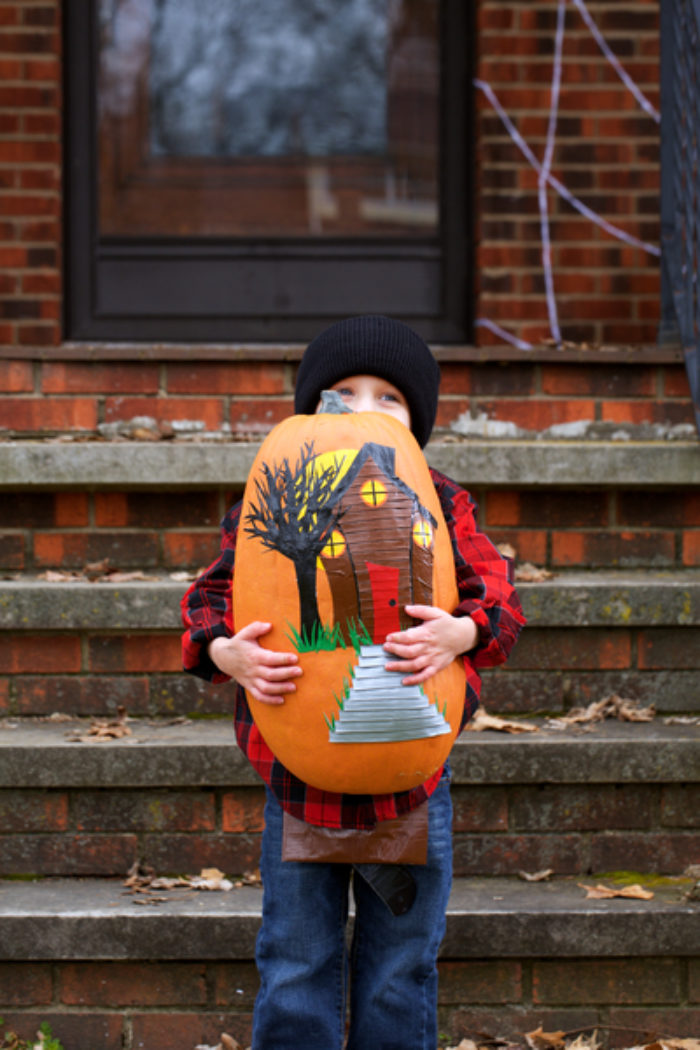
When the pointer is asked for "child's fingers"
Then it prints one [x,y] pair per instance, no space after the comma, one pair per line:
[270,690]
[411,637]
[264,697]
[416,679]
[271,658]
[277,673]
[425,612]
[253,630]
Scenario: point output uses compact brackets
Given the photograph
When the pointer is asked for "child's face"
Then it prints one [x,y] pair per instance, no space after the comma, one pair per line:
[372,394]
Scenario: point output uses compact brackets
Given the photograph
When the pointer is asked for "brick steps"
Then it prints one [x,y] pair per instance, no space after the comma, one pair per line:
[487,918]
[85,648]
[180,797]
[106,969]
[156,505]
[110,972]
[612,598]
[27,465]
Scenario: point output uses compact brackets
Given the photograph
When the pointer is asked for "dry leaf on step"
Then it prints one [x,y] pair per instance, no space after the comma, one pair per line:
[482,721]
[210,879]
[585,1042]
[126,577]
[613,706]
[539,1040]
[529,573]
[229,1043]
[601,892]
[506,550]
[58,576]
[105,729]
[536,876]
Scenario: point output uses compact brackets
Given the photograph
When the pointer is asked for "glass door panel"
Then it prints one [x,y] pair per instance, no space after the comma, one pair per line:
[275,119]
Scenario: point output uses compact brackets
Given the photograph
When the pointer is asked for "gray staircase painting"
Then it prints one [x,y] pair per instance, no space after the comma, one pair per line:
[378,708]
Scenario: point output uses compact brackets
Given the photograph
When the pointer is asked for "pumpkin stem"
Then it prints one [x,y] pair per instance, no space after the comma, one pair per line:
[332,403]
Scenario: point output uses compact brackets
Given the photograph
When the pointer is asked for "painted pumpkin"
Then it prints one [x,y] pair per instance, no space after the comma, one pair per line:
[341,528]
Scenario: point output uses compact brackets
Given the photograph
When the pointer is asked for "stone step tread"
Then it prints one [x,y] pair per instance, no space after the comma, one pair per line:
[93,919]
[198,753]
[615,598]
[539,463]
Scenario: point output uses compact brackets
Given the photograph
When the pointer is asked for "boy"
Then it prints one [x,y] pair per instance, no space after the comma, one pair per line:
[375,364]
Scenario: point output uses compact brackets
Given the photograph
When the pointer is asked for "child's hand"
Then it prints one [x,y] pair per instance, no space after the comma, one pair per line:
[264,674]
[426,649]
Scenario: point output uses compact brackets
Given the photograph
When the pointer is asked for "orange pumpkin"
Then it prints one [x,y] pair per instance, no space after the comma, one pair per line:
[341,528]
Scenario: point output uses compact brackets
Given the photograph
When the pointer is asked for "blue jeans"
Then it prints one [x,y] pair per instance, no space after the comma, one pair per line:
[391,966]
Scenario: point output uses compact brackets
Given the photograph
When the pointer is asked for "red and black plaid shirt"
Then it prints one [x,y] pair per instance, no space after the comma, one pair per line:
[486,594]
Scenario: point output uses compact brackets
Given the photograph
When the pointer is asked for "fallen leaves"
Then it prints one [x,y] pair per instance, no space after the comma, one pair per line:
[94,571]
[529,573]
[613,706]
[142,880]
[541,1040]
[536,876]
[226,1042]
[103,572]
[525,572]
[621,708]
[672,1044]
[101,729]
[602,892]
[482,721]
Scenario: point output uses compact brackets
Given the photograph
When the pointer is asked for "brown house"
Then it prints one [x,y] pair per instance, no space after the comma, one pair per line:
[379,557]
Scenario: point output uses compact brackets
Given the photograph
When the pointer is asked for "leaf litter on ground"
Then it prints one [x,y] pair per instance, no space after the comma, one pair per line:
[613,706]
[621,708]
[603,892]
[535,1040]
[482,721]
[101,729]
[142,880]
[541,1040]
[96,572]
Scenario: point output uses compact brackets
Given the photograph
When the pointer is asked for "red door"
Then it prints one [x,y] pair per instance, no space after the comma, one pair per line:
[384,581]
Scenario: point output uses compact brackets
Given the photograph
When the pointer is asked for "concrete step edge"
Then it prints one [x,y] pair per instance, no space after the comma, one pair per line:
[44,754]
[97,919]
[570,599]
[186,465]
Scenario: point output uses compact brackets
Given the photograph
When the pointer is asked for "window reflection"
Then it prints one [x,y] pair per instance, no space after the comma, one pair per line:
[282,118]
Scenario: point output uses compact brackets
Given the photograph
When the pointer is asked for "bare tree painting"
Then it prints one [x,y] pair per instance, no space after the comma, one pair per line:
[295,512]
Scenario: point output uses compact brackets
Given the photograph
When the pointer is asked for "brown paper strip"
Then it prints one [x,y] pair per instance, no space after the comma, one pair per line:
[400,841]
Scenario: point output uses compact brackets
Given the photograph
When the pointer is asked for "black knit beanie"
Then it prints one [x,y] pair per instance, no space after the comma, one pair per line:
[372,345]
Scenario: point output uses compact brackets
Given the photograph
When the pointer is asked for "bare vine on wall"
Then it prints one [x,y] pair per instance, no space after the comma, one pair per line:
[546,181]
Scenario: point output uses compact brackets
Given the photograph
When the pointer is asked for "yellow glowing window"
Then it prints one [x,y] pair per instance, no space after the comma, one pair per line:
[373,493]
[422,533]
[335,547]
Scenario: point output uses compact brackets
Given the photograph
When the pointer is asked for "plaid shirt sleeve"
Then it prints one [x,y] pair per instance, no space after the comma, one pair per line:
[484,578]
[207,607]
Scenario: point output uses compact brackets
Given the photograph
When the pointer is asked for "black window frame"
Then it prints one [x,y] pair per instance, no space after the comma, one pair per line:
[197,289]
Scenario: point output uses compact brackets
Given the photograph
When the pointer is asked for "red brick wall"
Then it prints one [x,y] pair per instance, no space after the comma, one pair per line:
[47,397]
[606,153]
[184,1004]
[30,173]
[156,532]
[498,830]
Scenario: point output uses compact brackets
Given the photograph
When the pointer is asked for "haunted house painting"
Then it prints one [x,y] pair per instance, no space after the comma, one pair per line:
[375,543]
[378,558]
